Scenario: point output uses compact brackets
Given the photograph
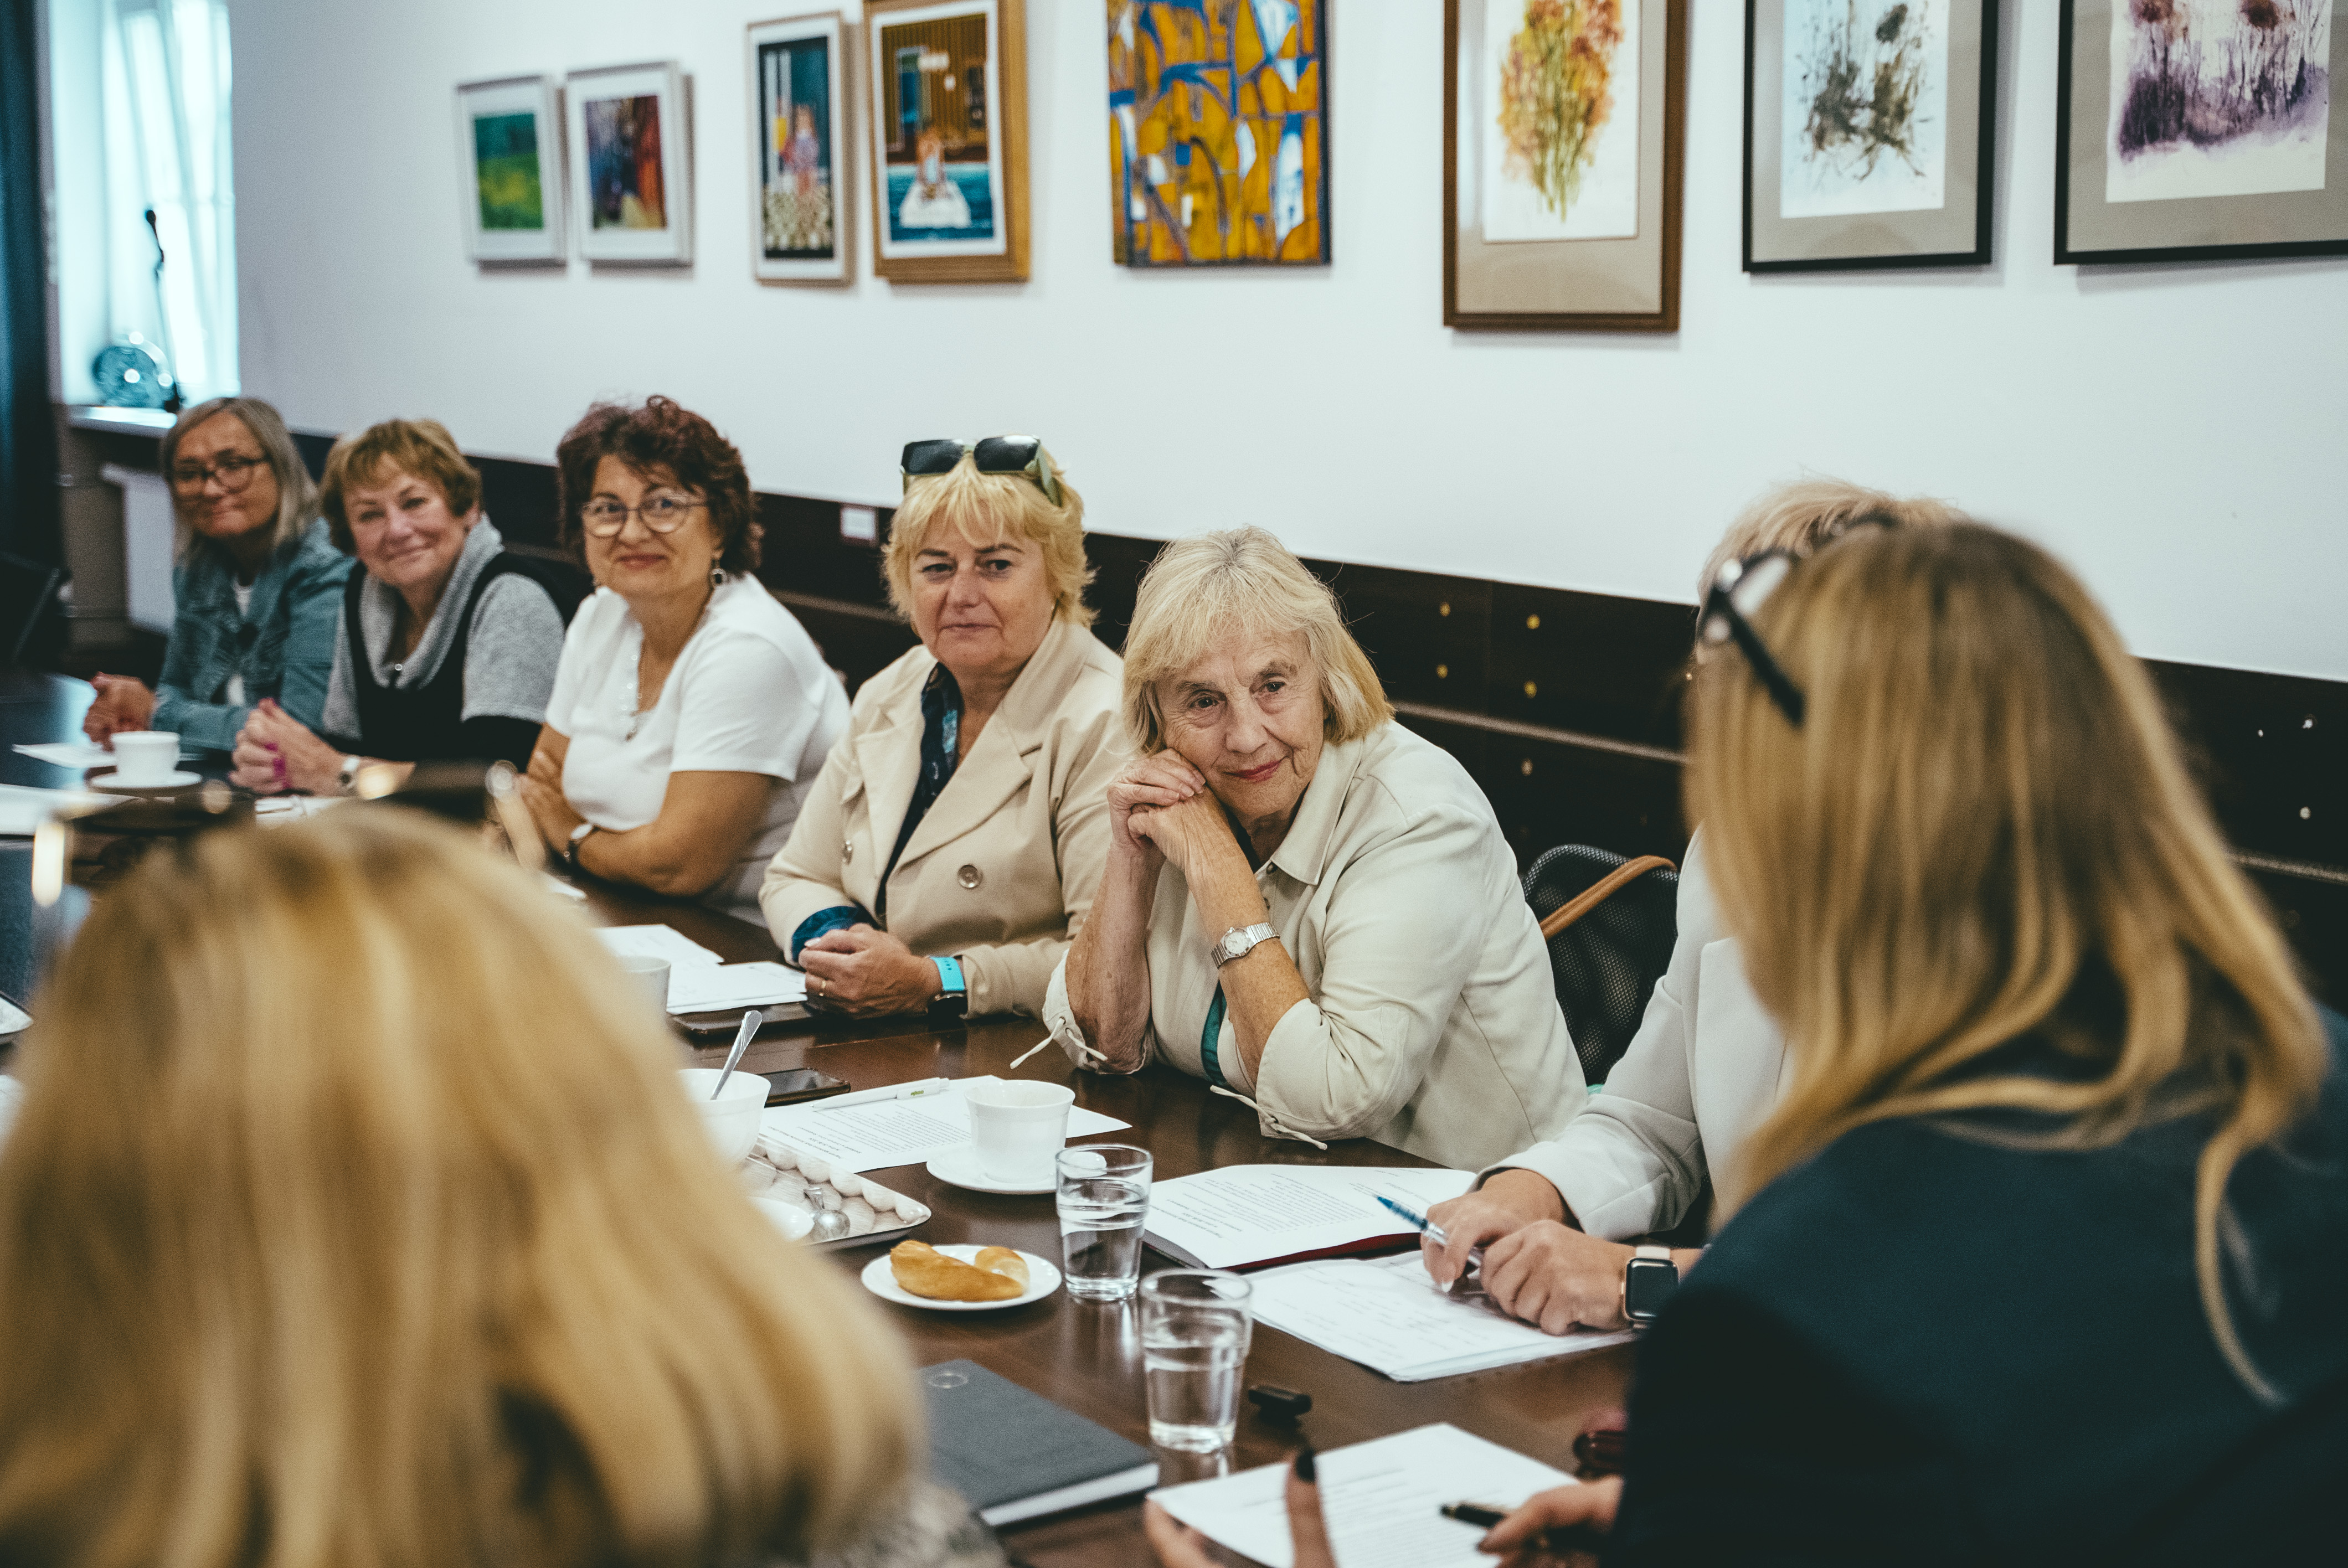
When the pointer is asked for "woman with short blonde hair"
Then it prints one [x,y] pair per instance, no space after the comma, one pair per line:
[391,1240]
[1306,904]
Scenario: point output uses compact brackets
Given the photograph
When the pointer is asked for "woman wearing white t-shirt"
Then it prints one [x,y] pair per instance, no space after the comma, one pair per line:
[691,711]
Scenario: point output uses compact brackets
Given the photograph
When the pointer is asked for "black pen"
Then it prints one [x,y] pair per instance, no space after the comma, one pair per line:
[1560,1539]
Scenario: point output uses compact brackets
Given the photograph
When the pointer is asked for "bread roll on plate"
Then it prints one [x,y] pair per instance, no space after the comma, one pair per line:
[997,1273]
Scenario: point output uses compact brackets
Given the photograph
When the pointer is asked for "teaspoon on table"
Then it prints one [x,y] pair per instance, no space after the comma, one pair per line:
[750,1022]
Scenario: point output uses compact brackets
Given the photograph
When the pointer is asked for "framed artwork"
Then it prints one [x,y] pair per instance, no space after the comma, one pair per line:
[800,212]
[1870,134]
[631,167]
[1219,132]
[949,113]
[2193,129]
[1563,129]
[510,143]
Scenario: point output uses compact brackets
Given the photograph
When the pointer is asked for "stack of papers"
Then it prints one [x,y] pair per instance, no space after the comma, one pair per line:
[656,942]
[24,809]
[881,1134]
[1391,1319]
[1382,1499]
[698,980]
[68,754]
[1253,1216]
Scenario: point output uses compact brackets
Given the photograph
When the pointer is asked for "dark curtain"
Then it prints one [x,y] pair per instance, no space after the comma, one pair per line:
[28,436]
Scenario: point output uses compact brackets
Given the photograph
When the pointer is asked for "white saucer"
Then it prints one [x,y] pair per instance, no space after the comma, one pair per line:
[1042,1280]
[178,778]
[959,1166]
[793,1222]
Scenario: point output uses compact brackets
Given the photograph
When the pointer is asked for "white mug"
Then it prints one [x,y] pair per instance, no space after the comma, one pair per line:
[144,756]
[1017,1124]
[652,973]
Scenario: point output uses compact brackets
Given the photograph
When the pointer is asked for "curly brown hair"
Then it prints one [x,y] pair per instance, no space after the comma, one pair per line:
[663,440]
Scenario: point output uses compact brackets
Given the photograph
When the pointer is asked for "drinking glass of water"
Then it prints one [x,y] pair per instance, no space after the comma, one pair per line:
[1195,1326]
[1104,1197]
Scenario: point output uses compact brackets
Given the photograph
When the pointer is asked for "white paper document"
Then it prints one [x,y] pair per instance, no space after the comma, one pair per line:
[1244,1215]
[1383,1500]
[281,809]
[22,809]
[1391,1319]
[565,889]
[890,1133]
[656,942]
[722,988]
[68,754]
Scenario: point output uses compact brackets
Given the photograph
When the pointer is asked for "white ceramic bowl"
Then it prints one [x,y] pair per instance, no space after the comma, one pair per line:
[733,1122]
[794,1222]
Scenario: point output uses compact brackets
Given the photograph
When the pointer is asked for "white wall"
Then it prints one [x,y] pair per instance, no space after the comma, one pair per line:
[2179,432]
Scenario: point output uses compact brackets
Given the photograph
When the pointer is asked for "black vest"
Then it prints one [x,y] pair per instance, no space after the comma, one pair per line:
[422,723]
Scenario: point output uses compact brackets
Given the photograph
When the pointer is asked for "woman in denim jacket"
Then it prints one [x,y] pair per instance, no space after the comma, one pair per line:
[256,591]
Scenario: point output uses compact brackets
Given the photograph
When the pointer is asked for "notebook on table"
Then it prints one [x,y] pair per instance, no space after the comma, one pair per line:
[1016,1455]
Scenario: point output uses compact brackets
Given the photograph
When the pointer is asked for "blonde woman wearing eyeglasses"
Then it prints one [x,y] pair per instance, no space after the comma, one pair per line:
[1306,904]
[691,713]
[468,1288]
[953,845]
[256,589]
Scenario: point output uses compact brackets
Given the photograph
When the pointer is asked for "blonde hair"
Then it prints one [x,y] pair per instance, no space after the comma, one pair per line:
[1800,516]
[984,507]
[354,1217]
[297,496]
[1204,589]
[1984,828]
[421,448]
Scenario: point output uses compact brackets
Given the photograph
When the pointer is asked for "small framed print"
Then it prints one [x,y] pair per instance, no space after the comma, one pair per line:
[632,174]
[1870,133]
[800,224]
[1563,143]
[949,111]
[510,143]
[2189,130]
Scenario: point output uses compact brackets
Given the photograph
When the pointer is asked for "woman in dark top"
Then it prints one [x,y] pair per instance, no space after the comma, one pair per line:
[447,643]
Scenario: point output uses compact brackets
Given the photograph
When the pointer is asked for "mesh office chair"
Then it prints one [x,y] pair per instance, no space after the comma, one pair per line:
[1609,924]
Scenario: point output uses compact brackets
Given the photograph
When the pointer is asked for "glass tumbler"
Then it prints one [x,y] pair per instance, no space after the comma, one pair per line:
[1195,1327]
[1103,1191]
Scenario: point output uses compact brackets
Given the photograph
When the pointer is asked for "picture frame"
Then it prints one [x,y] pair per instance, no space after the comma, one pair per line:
[802,193]
[2214,147]
[947,105]
[1870,134]
[1561,205]
[1218,136]
[511,175]
[631,163]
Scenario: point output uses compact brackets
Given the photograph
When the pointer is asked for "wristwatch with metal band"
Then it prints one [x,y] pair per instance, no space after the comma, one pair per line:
[1648,1280]
[1240,941]
[952,999]
[346,778]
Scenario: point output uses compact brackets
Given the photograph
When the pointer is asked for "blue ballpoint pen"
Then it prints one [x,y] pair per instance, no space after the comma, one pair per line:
[1432,1232]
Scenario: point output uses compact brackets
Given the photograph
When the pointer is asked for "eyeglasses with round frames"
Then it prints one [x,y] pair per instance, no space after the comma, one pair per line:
[662,513]
[234,473]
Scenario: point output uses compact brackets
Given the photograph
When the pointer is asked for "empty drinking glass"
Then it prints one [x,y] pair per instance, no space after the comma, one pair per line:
[1104,1197]
[1195,1327]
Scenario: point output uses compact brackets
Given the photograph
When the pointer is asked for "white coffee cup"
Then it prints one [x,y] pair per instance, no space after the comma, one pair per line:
[651,973]
[144,756]
[1017,1124]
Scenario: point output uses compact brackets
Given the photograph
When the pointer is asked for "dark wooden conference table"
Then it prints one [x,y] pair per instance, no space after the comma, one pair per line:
[1087,1356]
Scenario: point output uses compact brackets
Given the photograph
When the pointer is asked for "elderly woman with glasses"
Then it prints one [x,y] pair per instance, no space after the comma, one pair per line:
[256,591]
[691,713]
[1306,904]
[952,845]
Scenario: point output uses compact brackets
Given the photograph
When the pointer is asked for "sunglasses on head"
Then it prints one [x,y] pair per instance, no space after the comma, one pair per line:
[995,454]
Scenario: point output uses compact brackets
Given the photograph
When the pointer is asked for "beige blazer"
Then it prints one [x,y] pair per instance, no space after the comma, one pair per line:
[1002,870]
[1431,1023]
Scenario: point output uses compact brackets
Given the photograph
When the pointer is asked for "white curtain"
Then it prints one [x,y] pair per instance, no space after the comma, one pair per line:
[165,92]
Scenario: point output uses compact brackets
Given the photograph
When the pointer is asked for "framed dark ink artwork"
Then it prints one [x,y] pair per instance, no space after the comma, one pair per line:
[1870,133]
[799,222]
[2197,130]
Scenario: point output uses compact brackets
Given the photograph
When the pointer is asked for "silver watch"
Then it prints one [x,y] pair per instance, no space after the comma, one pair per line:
[1240,941]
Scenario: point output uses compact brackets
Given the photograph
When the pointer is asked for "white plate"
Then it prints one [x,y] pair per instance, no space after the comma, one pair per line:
[179,778]
[959,1166]
[1042,1280]
[792,1221]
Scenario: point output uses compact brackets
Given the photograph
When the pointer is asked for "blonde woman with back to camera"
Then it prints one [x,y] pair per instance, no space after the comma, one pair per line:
[1306,904]
[954,841]
[468,1288]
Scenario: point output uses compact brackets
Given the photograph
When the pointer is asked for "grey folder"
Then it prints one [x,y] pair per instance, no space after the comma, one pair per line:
[1016,1455]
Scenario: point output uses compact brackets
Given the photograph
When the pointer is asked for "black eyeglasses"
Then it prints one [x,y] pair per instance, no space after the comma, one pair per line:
[1737,595]
[995,454]
[234,473]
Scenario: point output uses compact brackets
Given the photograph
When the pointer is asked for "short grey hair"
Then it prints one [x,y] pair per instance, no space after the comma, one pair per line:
[297,493]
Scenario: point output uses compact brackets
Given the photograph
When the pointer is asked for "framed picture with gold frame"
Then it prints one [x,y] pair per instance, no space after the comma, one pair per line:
[1563,145]
[948,108]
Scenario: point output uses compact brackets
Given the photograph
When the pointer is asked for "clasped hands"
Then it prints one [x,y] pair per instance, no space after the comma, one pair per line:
[276,752]
[1160,808]
[865,972]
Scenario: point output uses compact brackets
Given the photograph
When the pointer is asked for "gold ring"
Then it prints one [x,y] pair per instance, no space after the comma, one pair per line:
[819,985]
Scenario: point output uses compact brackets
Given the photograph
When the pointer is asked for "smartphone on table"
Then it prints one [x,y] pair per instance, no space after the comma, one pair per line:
[797,1083]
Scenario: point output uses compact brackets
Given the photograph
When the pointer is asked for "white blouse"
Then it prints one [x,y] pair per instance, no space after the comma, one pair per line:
[750,694]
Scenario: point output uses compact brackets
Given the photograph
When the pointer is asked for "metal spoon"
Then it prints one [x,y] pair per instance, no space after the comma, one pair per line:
[750,1022]
[832,1220]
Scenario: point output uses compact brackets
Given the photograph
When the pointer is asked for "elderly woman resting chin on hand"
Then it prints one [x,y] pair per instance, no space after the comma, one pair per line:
[1306,904]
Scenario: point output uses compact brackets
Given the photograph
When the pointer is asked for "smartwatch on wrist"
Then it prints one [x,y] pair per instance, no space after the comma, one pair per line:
[952,999]
[1648,1280]
[578,837]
